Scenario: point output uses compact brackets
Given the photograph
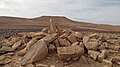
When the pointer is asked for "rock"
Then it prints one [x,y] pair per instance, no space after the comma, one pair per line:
[6,49]
[51,48]
[83,60]
[107,63]
[102,55]
[85,39]
[93,54]
[16,45]
[81,44]
[116,59]
[76,43]
[63,42]
[56,43]
[41,65]
[51,37]
[72,38]
[2,57]
[75,58]
[92,45]
[37,52]
[68,52]
[101,47]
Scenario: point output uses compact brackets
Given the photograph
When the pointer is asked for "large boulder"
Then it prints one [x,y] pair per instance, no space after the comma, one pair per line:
[69,52]
[37,52]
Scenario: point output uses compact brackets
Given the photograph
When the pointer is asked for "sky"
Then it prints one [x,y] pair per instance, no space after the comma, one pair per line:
[94,11]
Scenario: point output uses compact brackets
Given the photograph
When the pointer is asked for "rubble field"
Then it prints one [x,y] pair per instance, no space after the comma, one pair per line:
[56,47]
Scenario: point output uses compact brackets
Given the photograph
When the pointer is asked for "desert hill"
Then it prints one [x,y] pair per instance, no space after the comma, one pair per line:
[16,23]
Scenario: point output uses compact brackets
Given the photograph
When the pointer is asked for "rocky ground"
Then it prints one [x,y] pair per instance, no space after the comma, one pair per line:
[56,47]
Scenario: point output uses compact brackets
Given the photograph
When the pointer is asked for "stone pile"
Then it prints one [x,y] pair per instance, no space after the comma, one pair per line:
[33,47]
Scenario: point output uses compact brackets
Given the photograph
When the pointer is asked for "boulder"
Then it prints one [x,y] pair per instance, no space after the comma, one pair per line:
[37,52]
[93,54]
[71,51]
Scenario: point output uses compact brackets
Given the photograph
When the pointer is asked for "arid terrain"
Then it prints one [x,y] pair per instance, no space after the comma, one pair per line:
[56,41]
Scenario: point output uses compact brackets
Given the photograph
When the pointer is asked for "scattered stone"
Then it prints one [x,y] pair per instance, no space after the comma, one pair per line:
[2,57]
[51,48]
[68,52]
[93,54]
[45,30]
[83,60]
[72,38]
[107,63]
[102,55]
[81,44]
[37,52]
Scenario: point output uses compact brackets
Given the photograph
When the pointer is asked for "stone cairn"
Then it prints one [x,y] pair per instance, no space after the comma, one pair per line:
[33,47]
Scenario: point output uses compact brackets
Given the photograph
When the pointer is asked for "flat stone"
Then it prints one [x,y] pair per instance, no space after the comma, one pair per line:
[63,42]
[72,38]
[102,55]
[76,43]
[45,30]
[51,37]
[71,51]
[52,66]
[37,52]
[93,54]
[107,63]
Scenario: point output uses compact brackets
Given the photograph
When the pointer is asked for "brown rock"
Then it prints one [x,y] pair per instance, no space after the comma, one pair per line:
[51,48]
[17,44]
[68,52]
[37,52]
[102,55]
[92,45]
[51,37]
[83,60]
[81,44]
[76,43]
[107,63]
[72,38]
[93,54]
[64,42]
[2,57]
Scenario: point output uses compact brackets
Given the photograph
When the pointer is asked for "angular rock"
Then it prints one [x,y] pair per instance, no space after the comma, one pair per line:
[51,48]
[37,52]
[51,37]
[83,60]
[45,30]
[72,38]
[2,57]
[107,63]
[81,44]
[68,52]
[92,45]
[102,55]
[16,45]
[63,42]
[93,54]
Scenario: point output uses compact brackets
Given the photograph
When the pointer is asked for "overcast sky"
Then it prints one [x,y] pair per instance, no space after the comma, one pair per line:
[95,11]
